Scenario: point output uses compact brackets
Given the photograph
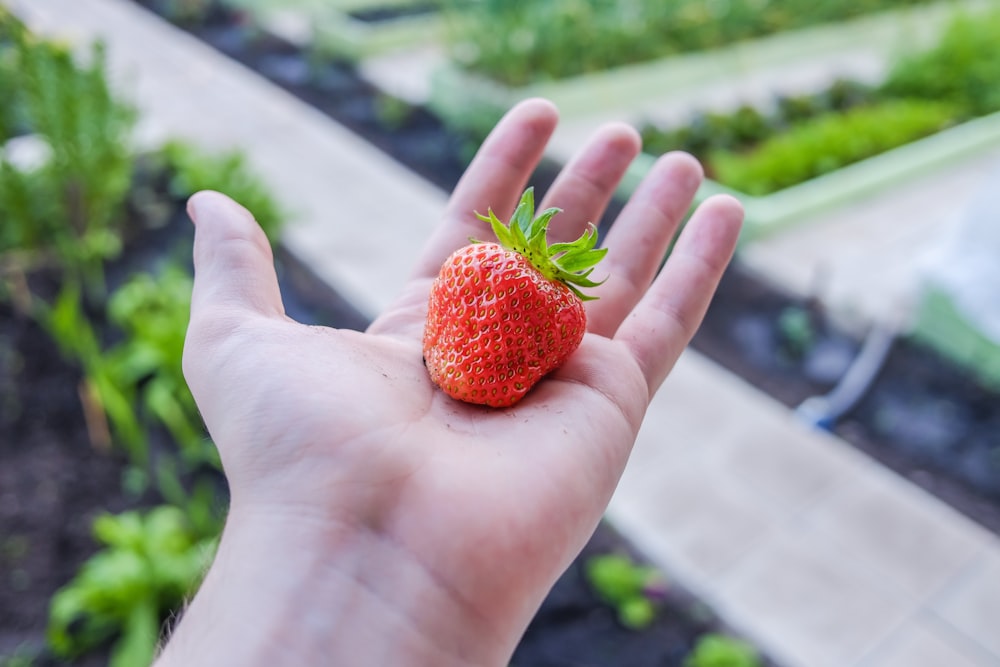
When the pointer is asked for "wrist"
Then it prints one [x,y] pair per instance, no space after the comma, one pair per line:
[292,590]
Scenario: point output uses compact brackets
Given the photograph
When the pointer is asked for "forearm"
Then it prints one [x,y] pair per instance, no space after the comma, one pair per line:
[283,592]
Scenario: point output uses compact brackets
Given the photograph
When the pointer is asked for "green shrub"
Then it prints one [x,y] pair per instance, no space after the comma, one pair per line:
[827,143]
[963,68]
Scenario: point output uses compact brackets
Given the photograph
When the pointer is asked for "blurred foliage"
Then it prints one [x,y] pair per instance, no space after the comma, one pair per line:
[69,205]
[193,170]
[522,41]
[827,143]
[807,136]
[717,650]
[963,68]
[623,584]
[150,562]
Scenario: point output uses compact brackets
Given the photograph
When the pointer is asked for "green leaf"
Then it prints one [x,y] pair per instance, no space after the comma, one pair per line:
[137,645]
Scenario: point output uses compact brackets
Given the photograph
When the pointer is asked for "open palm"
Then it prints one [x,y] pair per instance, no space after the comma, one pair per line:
[342,431]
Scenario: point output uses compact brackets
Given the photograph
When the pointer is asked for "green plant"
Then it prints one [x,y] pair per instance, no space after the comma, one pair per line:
[149,563]
[625,585]
[70,206]
[963,68]
[522,41]
[827,143]
[70,327]
[193,170]
[138,382]
[716,650]
[152,312]
[796,330]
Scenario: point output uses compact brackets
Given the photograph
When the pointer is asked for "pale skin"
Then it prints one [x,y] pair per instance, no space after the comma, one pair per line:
[374,520]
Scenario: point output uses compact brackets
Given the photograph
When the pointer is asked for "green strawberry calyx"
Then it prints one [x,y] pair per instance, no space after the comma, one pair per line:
[569,263]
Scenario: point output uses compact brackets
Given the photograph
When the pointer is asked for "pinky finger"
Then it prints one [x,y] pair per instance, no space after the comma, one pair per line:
[665,320]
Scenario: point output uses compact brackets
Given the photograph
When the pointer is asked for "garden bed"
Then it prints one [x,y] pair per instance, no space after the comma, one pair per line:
[746,331]
[848,48]
[802,154]
[57,481]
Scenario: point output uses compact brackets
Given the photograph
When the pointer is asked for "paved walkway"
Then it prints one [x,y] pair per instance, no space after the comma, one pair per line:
[819,555]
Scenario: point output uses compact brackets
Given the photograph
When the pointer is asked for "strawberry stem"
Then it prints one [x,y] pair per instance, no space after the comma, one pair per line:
[569,263]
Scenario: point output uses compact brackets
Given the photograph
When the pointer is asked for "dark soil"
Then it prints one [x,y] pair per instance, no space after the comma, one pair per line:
[923,417]
[52,481]
[574,628]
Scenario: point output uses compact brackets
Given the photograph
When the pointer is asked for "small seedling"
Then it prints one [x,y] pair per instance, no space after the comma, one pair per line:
[629,587]
[796,330]
[718,650]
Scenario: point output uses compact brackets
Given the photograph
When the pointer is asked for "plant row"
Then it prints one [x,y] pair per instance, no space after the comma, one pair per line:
[73,205]
[522,41]
[802,137]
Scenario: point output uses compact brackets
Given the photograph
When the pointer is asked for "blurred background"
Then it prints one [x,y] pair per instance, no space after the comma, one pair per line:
[845,510]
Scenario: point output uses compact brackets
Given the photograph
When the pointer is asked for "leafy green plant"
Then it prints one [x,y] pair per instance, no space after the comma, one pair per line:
[625,585]
[717,650]
[827,143]
[193,170]
[963,68]
[70,206]
[522,41]
[149,563]
[153,312]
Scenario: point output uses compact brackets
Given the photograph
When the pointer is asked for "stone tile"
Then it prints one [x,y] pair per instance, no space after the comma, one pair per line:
[810,607]
[786,463]
[907,539]
[925,642]
[683,420]
[972,604]
[691,519]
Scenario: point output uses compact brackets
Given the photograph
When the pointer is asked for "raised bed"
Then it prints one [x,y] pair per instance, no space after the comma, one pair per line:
[466,99]
[771,213]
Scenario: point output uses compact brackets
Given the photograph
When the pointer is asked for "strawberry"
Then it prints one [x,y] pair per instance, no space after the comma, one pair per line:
[503,315]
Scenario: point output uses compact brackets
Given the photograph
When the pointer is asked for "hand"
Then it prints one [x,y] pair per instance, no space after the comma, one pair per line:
[373,519]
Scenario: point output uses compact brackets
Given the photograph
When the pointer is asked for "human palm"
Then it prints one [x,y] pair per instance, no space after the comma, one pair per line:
[338,428]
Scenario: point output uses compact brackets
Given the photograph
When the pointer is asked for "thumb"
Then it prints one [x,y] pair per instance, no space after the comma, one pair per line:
[233,264]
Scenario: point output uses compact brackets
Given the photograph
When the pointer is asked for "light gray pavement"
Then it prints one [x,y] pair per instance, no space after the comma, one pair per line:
[821,556]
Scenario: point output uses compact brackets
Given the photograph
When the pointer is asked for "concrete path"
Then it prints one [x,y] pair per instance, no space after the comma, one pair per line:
[819,555]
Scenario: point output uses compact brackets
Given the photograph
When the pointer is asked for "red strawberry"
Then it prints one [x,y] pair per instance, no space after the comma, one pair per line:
[502,315]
